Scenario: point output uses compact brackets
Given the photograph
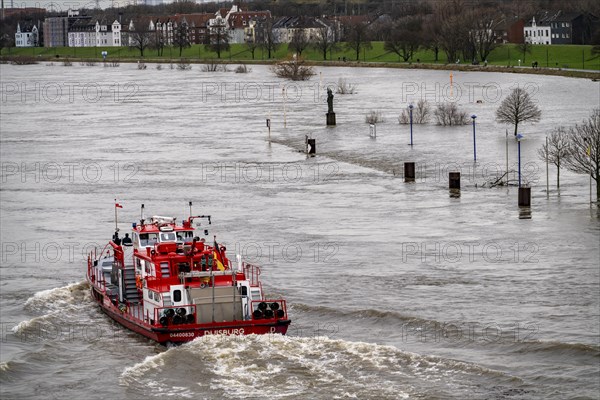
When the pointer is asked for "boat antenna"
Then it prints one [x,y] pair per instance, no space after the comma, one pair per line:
[190,209]
[142,215]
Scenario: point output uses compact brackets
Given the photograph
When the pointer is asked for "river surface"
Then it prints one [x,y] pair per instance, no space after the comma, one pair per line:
[395,289]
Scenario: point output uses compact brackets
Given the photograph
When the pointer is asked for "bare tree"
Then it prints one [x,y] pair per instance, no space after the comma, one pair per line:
[421,113]
[324,41]
[181,37]
[584,149]
[405,37]
[252,46]
[451,30]
[556,150]
[300,41]
[518,107]
[524,47]
[269,42]
[357,38]
[431,35]
[157,42]
[218,41]
[140,39]
[485,27]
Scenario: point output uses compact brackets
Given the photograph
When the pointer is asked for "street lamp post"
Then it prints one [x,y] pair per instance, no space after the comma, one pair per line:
[474,141]
[410,110]
[519,137]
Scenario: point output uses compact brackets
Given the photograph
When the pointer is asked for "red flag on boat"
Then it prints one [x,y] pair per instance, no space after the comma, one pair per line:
[117,205]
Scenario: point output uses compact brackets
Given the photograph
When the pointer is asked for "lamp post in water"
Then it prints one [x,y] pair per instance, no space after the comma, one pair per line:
[410,109]
[519,138]
[474,141]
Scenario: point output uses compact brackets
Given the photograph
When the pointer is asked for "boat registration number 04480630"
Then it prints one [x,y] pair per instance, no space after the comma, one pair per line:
[182,334]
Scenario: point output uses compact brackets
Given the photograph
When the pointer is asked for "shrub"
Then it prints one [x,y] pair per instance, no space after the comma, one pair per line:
[242,69]
[374,117]
[344,87]
[212,66]
[294,69]
[449,114]
[421,113]
[184,65]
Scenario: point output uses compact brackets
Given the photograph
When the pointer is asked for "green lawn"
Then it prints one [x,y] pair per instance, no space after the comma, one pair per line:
[562,56]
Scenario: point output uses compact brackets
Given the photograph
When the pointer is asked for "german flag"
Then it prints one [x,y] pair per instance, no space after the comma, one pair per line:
[218,257]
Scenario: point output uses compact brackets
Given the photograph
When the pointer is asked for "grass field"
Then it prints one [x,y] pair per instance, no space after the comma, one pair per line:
[552,56]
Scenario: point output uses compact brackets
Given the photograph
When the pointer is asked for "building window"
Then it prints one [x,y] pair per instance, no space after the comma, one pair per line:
[547,32]
[567,35]
[567,24]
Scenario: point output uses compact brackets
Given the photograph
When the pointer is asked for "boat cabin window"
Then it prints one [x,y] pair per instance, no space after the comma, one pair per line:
[148,239]
[187,236]
[167,237]
[176,296]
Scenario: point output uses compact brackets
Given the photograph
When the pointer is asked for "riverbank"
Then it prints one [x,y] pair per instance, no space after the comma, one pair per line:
[572,73]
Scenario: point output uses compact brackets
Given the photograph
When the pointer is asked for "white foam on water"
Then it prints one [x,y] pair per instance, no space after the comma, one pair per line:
[139,370]
[58,299]
[276,366]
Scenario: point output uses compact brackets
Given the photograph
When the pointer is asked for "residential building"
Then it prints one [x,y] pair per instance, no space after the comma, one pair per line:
[538,32]
[285,28]
[27,35]
[560,28]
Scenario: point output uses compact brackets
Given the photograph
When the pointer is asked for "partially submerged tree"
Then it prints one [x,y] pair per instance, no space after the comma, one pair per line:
[584,149]
[557,150]
[448,114]
[294,69]
[421,113]
[518,107]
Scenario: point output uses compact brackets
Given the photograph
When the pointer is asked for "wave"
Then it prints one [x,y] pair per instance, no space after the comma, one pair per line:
[275,366]
[59,307]
[382,316]
[558,348]
[58,298]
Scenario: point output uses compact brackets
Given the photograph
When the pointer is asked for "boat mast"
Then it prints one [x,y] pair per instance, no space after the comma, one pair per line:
[191,209]
[116,223]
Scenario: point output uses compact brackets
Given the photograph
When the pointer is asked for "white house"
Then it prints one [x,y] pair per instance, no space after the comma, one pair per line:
[537,33]
[108,34]
[26,36]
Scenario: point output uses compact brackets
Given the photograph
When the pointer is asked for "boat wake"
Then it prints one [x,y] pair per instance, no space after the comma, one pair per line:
[57,306]
[275,366]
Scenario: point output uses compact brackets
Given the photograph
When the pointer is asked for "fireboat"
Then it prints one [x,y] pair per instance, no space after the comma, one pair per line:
[167,283]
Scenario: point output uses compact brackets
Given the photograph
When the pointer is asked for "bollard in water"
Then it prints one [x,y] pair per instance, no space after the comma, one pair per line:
[409,172]
[311,146]
[454,180]
[454,184]
[373,131]
[524,197]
